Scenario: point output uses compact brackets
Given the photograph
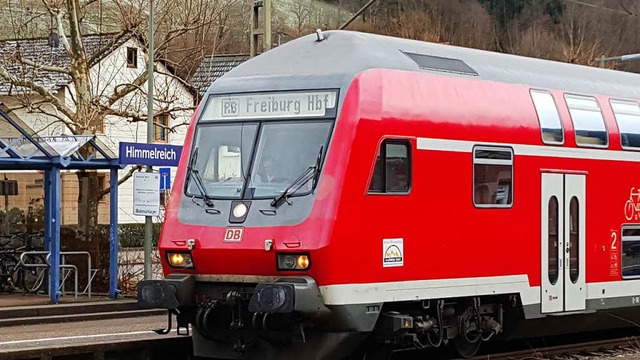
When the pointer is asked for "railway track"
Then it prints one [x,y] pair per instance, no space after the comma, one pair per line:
[598,348]
[580,346]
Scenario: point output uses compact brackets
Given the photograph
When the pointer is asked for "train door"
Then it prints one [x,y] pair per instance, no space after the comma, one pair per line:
[563,242]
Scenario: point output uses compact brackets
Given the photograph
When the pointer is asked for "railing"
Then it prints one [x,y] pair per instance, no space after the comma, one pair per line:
[66,269]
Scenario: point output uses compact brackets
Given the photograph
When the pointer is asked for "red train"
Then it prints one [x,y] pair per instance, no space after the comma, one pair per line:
[350,193]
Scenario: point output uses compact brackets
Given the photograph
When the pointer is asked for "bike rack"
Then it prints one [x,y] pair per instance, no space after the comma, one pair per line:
[22,262]
[66,268]
[91,273]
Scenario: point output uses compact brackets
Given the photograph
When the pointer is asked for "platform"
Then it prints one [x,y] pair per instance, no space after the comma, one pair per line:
[31,310]
[90,337]
[18,299]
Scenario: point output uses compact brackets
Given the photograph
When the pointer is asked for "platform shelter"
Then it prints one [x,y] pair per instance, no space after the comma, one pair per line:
[22,149]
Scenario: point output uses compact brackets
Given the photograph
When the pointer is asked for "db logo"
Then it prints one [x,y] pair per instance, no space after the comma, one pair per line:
[233,235]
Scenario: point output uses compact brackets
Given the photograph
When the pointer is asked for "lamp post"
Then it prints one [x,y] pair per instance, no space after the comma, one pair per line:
[629,57]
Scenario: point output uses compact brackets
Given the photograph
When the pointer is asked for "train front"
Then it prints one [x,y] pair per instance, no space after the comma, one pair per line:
[247,220]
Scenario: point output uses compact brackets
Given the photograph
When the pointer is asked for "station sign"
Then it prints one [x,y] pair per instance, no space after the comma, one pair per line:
[149,154]
[270,105]
[146,194]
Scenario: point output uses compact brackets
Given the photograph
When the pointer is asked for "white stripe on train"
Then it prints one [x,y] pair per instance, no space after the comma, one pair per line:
[350,294]
[530,150]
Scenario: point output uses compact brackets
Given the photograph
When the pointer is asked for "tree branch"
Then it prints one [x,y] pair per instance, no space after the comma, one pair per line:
[37,66]
[626,9]
[121,181]
[179,79]
[107,48]
[39,89]
[61,34]
[125,89]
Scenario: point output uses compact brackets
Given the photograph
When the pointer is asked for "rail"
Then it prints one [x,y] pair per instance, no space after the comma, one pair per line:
[66,268]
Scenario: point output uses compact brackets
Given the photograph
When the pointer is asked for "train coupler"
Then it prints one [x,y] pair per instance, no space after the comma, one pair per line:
[181,325]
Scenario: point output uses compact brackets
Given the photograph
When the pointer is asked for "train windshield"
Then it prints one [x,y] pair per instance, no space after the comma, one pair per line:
[223,154]
[283,151]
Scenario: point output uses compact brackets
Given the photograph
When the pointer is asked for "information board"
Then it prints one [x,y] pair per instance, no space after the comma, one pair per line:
[146,194]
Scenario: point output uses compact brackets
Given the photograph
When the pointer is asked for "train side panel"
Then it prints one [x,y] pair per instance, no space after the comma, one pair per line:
[452,248]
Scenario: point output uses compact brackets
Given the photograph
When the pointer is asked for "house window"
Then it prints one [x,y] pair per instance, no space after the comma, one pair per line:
[132,57]
[100,127]
[548,116]
[628,118]
[587,121]
[630,256]
[392,172]
[162,128]
[492,177]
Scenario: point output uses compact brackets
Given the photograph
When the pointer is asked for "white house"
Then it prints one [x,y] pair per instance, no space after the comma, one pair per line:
[119,66]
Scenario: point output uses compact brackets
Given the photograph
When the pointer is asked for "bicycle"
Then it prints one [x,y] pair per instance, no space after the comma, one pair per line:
[13,272]
[8,275]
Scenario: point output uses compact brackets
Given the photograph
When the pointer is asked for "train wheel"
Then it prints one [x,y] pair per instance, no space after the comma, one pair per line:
[464,348]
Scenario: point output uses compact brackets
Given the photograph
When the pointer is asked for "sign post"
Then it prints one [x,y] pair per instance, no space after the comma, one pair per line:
[147,185]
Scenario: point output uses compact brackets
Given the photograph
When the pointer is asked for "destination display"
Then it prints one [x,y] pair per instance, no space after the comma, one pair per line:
[270,105]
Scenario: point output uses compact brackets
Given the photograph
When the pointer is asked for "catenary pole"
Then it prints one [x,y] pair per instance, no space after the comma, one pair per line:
[148,222]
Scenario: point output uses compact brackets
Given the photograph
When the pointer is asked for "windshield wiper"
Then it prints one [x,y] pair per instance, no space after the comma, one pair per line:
[206,198]
[312,172]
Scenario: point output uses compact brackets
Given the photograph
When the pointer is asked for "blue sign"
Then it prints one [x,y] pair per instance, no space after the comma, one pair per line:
[149,154]
[165,179]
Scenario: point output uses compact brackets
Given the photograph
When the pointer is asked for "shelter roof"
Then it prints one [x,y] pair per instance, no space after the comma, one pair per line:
[21,148]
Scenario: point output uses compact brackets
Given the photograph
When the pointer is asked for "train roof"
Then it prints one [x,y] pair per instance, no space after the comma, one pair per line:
[306,63]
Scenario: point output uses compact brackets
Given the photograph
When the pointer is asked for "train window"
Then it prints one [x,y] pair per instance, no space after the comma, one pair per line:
[574,243]
[552,132]
[587,121]
[628,118]
[553,256]
[492,177]
[221,156]
[630,256]
[392,172]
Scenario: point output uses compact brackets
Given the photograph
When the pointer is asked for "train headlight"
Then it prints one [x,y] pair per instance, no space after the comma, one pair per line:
[180,260]
[240,210]
[293,262]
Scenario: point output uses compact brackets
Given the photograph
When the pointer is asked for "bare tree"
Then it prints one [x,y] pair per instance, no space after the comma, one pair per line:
[94,103]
